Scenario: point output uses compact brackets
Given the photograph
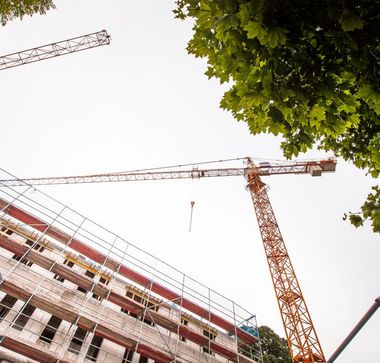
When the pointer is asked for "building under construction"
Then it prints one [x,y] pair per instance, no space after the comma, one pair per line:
[72,291]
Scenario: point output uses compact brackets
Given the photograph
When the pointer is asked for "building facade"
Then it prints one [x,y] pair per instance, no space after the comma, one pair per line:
[72,291]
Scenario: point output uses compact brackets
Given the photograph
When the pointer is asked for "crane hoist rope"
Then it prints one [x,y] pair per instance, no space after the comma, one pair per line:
[191,214]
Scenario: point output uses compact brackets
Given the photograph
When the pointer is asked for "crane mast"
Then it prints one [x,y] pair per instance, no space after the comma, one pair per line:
[303,343]
[57,49]
[301,336]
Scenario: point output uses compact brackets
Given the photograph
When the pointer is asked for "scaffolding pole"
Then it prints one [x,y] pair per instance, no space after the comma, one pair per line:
[356,330]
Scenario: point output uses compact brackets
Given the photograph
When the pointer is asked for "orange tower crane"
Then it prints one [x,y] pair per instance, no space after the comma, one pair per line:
[52,50]
[303,342]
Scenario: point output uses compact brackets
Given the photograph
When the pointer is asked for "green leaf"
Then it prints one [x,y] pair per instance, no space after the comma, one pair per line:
[205,5]
[354,120]
[317,114]
[223,25]
[255,30]
[234,20]
[276,36]
[370,96]
[356,220]
[350,22]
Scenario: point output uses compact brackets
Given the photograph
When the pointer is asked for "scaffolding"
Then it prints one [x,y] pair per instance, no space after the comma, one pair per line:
[113,301]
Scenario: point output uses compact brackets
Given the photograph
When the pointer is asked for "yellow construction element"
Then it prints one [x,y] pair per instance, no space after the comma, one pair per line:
[23,232]
[92,268]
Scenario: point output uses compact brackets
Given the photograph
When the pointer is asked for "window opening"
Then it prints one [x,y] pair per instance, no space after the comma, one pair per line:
[142,301]
[51,328]
[36,245]
[143,359]
[22,260]
[128,356]
[211,337]
[77,341]
[104,281]
[90,274]
[93,350]
[59,278]
[186,323]
[6,231]
[125,311]
[6,304]
[97,297]
[151,307]
[24,316]
[81,289]
[68,264]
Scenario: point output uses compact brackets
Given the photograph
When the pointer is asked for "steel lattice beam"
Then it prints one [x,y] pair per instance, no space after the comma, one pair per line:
[55,49]
[301,336]
[304,167]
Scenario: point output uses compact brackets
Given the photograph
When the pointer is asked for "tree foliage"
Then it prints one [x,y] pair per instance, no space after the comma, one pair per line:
[11,9]
[274,348]
[306,70]
[370,210]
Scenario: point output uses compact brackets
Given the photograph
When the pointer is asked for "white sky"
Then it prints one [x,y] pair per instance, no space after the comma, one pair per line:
[143,102]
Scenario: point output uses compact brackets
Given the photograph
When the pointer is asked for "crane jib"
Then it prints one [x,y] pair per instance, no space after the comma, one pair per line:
[56,49]
[315,168]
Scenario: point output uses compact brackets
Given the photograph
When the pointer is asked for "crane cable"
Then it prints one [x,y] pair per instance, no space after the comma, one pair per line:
[191,214]
[191,164]
[178,166]
[194,187]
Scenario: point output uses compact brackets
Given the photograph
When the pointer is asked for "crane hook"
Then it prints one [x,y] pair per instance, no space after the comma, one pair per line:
[191,214]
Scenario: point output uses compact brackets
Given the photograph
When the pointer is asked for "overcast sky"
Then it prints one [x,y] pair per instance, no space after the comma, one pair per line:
[144,102]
